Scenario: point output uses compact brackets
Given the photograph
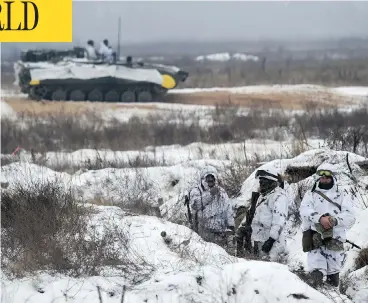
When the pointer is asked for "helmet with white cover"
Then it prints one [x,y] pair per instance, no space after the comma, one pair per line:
[326,169]
[209,170]
[268,173]
[206,181]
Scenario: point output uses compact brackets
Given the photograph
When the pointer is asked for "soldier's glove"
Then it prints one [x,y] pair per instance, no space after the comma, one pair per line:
[332,220]
[266,247]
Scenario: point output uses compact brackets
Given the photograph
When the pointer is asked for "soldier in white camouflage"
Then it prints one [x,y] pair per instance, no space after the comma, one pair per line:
[326,216]
[266,231]
[210,211]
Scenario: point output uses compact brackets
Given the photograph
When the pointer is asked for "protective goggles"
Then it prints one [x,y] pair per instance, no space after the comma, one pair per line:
[325,173]
[267,175]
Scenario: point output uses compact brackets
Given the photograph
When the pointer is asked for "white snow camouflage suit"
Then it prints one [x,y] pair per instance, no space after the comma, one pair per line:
[106,52]
[90,52]
[212,212]
[269,221]
[312,207]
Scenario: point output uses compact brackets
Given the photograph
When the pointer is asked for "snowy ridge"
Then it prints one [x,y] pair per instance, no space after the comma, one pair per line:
[198,271]
[191,270]
[171,154]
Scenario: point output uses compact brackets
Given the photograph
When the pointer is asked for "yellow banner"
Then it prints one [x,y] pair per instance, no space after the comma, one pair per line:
[36,21]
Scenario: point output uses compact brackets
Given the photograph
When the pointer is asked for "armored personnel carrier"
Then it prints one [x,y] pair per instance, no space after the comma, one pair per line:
[70,76]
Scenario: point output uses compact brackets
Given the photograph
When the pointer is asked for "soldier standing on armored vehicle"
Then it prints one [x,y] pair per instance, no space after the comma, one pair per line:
[90,52]
[106,52]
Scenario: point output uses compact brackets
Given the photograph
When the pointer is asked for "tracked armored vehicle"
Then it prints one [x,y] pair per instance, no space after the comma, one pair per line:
[78,79]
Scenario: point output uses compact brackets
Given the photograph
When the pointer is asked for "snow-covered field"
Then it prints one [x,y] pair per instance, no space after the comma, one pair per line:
[345,99]
[360,91]
[178,266]
[188,269]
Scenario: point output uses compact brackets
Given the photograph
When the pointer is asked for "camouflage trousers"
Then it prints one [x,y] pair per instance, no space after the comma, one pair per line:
[327,261]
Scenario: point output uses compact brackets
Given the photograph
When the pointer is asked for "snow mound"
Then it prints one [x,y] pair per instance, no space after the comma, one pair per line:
[245,57]
[6,111]
[214,57]
[146,243]
[223,57]
[357,285]
[258,281]
[111,184]
[27,174]
[182,272]
[170,154]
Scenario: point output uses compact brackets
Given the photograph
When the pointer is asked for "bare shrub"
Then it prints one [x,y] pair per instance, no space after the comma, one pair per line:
[234,177]
[43,228]
[5,160]
[100,162]
[224,113]
[349,138]
[37,220]
[51,132]
[135,195]
[362,259]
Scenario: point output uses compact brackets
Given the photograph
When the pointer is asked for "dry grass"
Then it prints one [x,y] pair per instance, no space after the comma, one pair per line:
[362,259]
[44,108]
[285,100]
[91,130]
[44,228]
[273,100]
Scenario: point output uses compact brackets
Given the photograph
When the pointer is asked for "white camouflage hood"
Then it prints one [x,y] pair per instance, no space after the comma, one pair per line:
[208,170]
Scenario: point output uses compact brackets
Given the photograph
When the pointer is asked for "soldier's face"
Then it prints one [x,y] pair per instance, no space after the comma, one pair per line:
[266,185]
[325,180]
[210,180]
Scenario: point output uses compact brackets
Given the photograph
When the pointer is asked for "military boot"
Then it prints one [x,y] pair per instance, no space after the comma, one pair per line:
[316,278]
[333,279]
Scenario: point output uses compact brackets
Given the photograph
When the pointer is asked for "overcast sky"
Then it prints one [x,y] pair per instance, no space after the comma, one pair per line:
[182,21]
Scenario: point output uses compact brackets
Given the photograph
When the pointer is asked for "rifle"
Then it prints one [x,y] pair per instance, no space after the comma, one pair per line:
[193,225]
[248,223]
[353,244]
[186,202]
